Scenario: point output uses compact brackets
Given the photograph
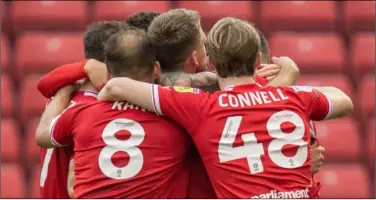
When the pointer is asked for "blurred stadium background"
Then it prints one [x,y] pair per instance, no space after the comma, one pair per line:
[333,42]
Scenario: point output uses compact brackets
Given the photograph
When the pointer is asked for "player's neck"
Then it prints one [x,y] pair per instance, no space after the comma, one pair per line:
[87,85]
[234,81]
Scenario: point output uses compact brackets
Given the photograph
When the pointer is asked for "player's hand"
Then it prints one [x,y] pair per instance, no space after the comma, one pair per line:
[317,157]
[203,79]
[268,71]
[288,68]
[97,73]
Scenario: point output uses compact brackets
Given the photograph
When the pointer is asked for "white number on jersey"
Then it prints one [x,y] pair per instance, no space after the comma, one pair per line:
[46,163]
[252,151]
[129,146]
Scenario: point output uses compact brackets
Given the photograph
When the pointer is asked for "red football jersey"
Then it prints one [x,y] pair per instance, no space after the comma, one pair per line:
[199,183]
[55,161]
[122,151]
[254,141]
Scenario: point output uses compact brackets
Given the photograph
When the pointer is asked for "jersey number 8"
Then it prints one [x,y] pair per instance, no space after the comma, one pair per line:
[136,158]
[252,151]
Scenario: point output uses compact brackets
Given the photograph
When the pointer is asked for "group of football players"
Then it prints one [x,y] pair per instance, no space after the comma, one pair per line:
[181,115]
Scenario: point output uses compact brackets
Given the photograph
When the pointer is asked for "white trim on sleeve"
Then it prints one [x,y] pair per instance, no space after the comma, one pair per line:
[71,162]
[155,99]
[52,127]
[330,109]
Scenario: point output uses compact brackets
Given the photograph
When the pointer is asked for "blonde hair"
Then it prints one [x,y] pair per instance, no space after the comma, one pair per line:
[233,45]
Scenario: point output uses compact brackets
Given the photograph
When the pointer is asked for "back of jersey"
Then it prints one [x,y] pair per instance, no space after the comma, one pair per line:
[258,141]
[122,151]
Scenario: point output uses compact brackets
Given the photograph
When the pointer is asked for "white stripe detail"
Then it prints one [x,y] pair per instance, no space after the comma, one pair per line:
[155,98]
[52,127]
[92,91]
[330,110]
[46,163]
[229,88]
[71,162]
[90,94]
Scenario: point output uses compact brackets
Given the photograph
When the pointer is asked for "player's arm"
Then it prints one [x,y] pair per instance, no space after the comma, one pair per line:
[182,104]
[198,80]
[340,103]
[61,76]
[70,73]
[323,103]
[55,107]
[206,81]
[71,180]
[126,89]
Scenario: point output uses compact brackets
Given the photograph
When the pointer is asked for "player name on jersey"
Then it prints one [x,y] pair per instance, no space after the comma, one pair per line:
[251,98]
[122,105]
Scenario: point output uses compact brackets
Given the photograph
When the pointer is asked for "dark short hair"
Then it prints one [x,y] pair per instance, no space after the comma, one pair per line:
[97,35]
[175,34]
[264,47]
[130,54]
[141,20]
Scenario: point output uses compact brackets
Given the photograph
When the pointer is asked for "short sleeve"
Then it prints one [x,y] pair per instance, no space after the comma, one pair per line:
[181,104]
[317,104]
[61,127]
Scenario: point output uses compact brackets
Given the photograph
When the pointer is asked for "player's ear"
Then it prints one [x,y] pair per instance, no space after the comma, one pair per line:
[157,70]
[258,60]
[191,63]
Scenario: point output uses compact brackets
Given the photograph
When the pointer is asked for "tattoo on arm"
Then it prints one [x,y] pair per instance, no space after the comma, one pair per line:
[210,88]
[183,79]
[175,78]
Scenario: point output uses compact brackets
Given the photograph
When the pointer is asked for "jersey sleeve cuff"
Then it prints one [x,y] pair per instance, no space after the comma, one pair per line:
[155,99]
[52,127]
[71,162]
[330,109]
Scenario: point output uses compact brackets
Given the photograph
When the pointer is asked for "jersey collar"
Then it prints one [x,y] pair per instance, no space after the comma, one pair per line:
[251,86]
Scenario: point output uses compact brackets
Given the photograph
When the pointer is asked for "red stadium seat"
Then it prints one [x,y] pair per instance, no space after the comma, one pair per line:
[4,16]
[34,183]
[313,52]
[120,10]
[52,15]
[4,53]
[366,96]
[302,15]
[363,53]
[371,141]
[7,98]
[33,151]
[10,141]
[12,181]
[340,138]
[359,15]
[337,80]
[41,52]
[32,102]
[212,11]
[344,181]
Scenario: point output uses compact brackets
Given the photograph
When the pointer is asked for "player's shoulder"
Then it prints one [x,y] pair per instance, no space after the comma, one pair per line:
[183,89]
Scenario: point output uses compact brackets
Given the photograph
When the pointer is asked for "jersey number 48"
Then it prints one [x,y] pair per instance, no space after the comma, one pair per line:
[252,151]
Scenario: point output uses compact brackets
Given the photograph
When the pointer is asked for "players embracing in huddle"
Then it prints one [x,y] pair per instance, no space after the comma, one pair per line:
[253,140]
